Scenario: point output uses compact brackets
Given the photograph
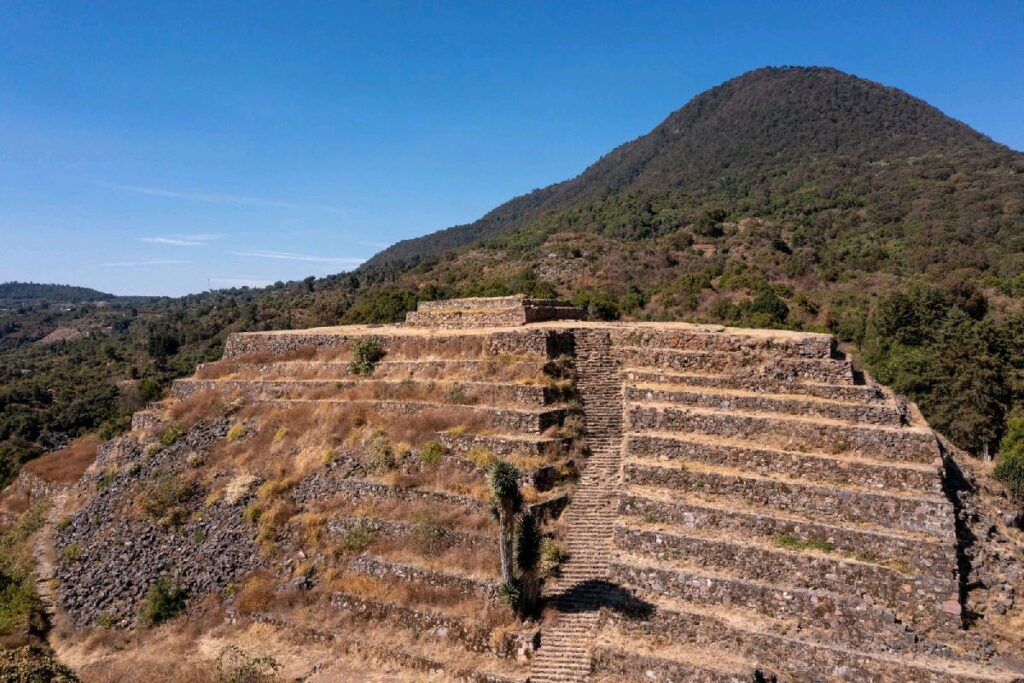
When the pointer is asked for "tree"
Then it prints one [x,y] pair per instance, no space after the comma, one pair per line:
[507,499]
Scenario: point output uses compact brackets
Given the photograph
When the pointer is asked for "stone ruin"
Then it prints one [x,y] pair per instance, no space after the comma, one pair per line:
[748,506]
[504,311]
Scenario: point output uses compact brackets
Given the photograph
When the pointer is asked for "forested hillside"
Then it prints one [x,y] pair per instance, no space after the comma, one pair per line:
[19,293]
[787,197]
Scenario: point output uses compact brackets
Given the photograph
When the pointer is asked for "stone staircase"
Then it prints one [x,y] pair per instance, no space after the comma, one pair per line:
[583,588]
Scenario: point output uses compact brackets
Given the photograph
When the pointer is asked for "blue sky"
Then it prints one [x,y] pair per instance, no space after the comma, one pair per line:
[166,148]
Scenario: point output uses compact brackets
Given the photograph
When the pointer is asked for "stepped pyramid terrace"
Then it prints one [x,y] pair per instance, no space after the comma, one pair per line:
[730,504]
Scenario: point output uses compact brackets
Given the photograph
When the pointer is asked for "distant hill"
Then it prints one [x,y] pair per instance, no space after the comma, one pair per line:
[753,142]
[19,293]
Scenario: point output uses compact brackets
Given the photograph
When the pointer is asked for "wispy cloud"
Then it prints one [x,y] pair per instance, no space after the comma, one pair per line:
[239,282]
[289,256]
[135,264]
[198,240]
[222,199]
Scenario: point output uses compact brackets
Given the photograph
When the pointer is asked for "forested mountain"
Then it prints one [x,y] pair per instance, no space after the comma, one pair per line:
[18,293]
[802,198]
[758,141]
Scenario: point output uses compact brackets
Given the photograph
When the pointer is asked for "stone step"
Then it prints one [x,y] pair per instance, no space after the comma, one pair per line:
[475,637]
[529,420]
[522,371]
[409,532]
[867,394]
[504,394]
[674,663]
[714,338]
[505,445]
[850,620]
[335,343]
[821,370]
[682,395]
[936,556]
[425,577]
[917,597]
[519,369]
[910,444]
[792,656]
[820,467]
[833,504]
[362,491]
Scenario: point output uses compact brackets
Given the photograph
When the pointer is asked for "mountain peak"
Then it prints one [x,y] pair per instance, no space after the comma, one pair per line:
[796,121]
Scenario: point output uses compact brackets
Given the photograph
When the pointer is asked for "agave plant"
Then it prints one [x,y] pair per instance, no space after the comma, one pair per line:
[528,543]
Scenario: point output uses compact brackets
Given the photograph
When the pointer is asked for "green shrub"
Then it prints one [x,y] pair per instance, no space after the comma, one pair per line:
[108,476]
[12,455]
[481,457]
[252,513]
[111,428]
[458,396]
[71,553]
[380,455]
[365,354]
[359,536]
[20,608]
[428,534]
[1010,468]
[164,497]
[31,664]
[164,601]
[172,434]
[552,555]
[432,452]
[236,432]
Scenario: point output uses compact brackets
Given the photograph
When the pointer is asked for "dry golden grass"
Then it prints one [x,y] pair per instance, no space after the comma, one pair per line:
[447,478]
[13,504]
[202,405]
[481,563]
[447,515]
[151,668]
[255,595]
[417,596]
[229,366]
[65,466]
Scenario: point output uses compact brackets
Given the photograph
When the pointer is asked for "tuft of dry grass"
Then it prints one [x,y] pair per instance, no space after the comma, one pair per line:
[255,595]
